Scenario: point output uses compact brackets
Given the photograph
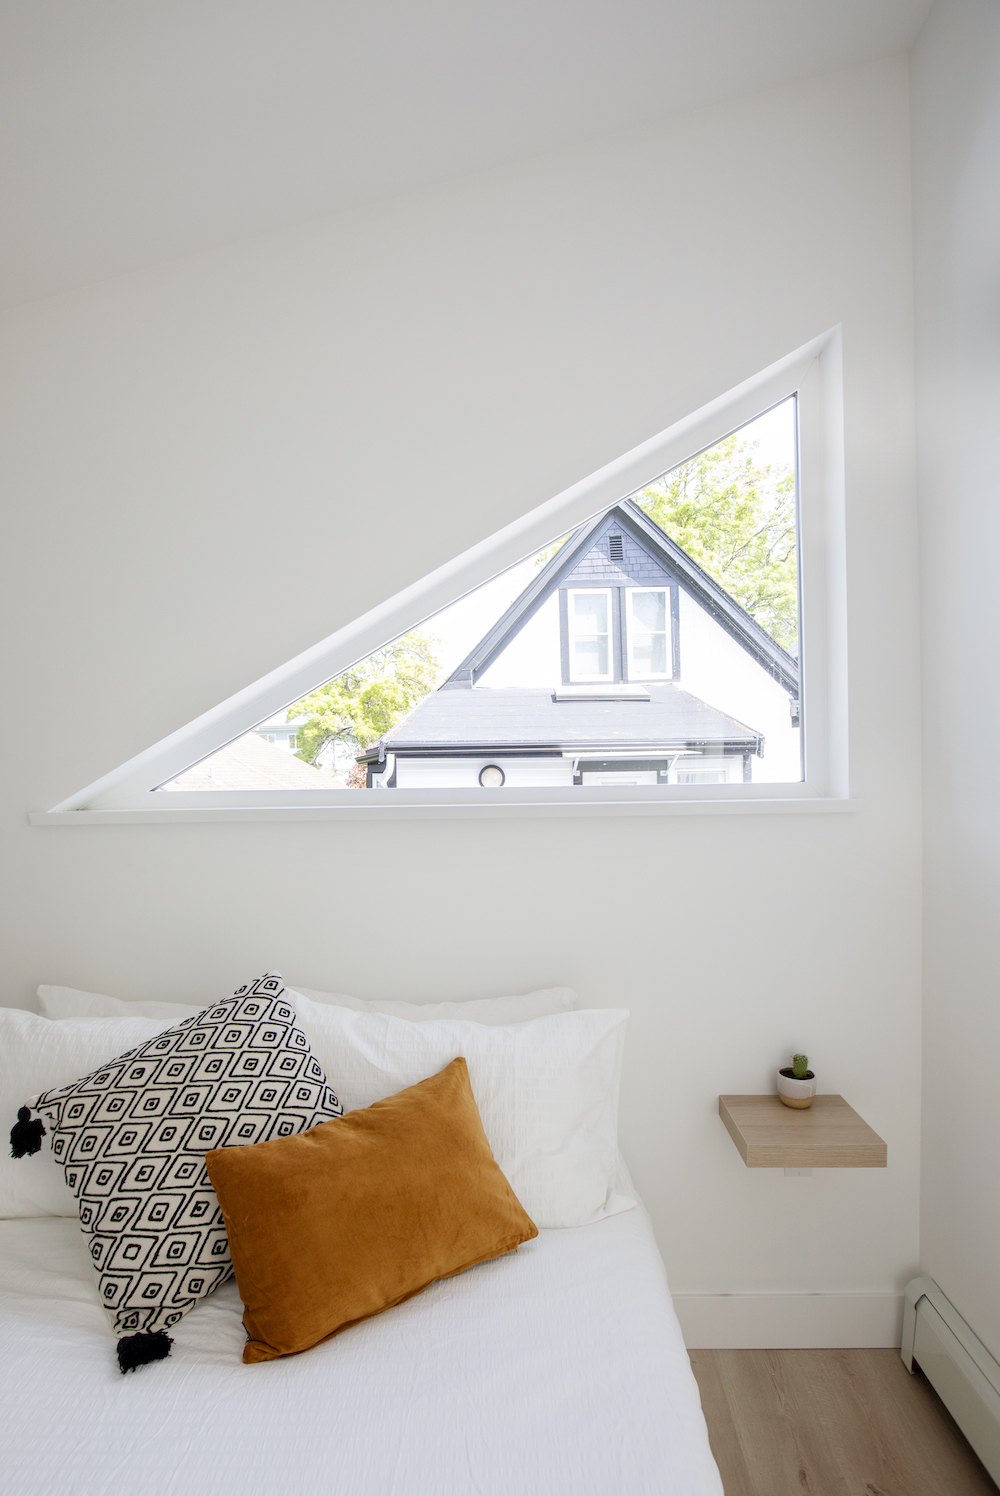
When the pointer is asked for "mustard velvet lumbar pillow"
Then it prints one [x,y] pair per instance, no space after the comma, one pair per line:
[333,1225]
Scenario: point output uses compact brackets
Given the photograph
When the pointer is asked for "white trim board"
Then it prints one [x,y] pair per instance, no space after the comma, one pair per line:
[789,1321]
[380,808]
[813,372]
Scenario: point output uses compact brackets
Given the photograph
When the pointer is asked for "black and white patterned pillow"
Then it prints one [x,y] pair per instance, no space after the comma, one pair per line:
[132,1139]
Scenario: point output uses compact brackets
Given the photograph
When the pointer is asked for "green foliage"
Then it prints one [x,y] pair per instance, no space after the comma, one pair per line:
[369,699]
[736,518]
[550,550]
[800,1066]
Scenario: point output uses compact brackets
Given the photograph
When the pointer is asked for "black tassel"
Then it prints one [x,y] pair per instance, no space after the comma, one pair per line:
[137,1350]
[26,1136]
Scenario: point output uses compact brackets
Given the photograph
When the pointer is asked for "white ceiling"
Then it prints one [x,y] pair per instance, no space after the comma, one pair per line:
[132,131]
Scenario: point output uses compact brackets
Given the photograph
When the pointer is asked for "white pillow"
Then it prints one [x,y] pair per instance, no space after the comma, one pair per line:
[547,1092]
[490,1010]
[67,1002]
[36,1055]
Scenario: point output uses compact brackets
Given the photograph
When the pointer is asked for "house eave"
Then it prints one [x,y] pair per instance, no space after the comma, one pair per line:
[588,747]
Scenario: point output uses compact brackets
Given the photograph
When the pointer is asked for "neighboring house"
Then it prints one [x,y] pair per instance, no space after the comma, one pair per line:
[336,759]
[251,763]
[279,732]
[622,662]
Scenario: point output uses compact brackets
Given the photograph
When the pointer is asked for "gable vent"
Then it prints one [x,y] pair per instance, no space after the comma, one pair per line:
[616,548]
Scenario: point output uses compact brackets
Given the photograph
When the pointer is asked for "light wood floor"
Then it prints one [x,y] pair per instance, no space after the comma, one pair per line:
[831,1423]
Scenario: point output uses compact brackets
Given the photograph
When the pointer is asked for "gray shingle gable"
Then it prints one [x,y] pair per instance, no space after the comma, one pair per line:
[596,569]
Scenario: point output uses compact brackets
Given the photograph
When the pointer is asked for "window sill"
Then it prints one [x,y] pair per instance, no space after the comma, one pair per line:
[490,805]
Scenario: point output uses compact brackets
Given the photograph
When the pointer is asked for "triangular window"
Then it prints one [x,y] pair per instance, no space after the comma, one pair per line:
[636,637]
[655,644]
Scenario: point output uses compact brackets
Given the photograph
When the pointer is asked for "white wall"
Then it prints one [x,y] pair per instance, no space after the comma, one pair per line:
[213,464]
[956,155]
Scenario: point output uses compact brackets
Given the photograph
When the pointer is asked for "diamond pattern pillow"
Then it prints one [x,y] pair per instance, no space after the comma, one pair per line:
[132,1139]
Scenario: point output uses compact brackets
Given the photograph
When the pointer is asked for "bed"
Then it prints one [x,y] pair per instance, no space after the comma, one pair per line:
[559,1369]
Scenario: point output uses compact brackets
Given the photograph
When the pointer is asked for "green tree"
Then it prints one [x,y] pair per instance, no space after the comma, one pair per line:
[550,550]
[736,518]
[367,700]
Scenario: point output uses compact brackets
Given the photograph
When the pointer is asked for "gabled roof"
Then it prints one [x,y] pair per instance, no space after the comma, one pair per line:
[726,611]
[251,763]
[533,718]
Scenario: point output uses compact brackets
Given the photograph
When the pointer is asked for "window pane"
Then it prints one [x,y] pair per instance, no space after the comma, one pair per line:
[649,611]
[732,511]
[590,612]
[649,654]
[590,656]
[431,707]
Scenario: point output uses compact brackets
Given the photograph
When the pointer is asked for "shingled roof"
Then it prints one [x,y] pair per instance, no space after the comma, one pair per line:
[533,718]
[251,763]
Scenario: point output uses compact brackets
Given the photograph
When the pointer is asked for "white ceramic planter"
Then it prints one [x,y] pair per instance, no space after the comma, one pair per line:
[798,1093]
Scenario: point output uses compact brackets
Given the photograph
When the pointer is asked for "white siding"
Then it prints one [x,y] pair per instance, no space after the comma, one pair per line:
[720,672]
[463,773]
[532,658]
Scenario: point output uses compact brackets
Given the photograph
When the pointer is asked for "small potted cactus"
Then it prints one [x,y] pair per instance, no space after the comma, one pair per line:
[796,1083]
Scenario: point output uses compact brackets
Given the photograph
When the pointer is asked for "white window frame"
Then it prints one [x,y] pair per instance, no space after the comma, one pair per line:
[633,673]
[605,592]
[813,373]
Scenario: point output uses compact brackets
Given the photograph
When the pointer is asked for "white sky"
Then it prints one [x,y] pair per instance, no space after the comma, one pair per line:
[460,626]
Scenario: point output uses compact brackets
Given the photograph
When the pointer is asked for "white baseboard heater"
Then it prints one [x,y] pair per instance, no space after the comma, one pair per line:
[957,1364]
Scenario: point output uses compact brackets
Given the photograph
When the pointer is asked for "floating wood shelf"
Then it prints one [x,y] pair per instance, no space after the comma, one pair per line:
[829,1135]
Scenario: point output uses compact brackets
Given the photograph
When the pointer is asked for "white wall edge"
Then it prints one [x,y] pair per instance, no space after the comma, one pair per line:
[369,811]
[789,1321]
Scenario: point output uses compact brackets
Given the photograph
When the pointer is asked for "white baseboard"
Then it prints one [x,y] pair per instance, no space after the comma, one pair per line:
[789,1321]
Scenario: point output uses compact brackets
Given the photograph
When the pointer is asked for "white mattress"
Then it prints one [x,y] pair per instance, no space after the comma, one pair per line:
[559,1369]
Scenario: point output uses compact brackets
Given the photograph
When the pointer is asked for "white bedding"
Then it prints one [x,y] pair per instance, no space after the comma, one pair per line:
[558,1371]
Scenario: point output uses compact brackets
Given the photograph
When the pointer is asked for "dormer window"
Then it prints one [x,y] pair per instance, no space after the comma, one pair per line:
[647,630]
[590,639]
